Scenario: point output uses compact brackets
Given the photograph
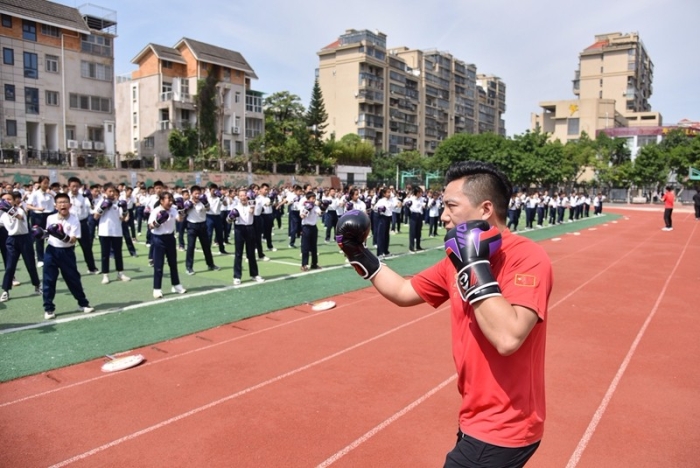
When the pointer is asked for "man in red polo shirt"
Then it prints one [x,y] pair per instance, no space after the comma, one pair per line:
[498,285]
[669,198]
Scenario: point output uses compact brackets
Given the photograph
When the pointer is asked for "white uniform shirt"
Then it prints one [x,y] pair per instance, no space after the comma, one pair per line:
[214,205]
[358,205]
[416,205]
[198,214]
[265,204]
[386,203]
[434,210]
[311,216]
[110,222]
[42,200]
[79,206]
[71,226]
[15,226]
[245,214]
[167,227]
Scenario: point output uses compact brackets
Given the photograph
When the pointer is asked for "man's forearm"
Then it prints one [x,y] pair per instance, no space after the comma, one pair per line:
[396,288]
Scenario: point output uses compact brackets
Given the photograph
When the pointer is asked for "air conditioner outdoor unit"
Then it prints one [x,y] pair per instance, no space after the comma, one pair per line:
[72,143]
[235,130]
[87,145]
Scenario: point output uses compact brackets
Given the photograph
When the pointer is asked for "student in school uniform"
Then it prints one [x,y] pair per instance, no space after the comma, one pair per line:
[383,209]
[80,207]
[161,222]
[434,205]
[215,227]
[41,204]
[109,230]
[63,231]
[196,211]
[415,221]
[309,214]
[241,216]
[18,243]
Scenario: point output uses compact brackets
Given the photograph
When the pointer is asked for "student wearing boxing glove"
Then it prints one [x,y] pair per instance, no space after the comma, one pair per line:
[162,223]
[309,232]
[197,230]
[498,286]
[110,233]
[18,243]
[64,230]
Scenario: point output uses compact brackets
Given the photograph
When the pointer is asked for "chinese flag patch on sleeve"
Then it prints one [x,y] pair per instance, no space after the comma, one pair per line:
[525,280]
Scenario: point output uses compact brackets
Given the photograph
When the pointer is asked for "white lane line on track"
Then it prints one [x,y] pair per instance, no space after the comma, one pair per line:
[598,415]
[372,432]
[199,409]
[180,297]
[179,355]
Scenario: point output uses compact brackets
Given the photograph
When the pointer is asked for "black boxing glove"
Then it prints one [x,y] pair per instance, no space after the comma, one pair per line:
[351,232]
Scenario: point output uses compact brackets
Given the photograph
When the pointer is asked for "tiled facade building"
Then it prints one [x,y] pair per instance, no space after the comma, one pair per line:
[402,99]
[613,85]
[158,97]
[57,78]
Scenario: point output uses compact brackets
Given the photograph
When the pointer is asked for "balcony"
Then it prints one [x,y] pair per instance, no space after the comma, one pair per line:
[168,96]
[164,125]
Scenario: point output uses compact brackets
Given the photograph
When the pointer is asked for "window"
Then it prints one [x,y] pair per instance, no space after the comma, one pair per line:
[167,64]
[134,93]
[51,98]
[11,128]
[95,134]
[29,30]
[227,74]
[185,86]
[70,132]
[31,100]
[7,21]
[93,103]
[9,92]
[600,94]
[96,71]
[47,30]
[601,82]
[135,118]
[238,97]
[96,45]
[572,127]
[149,142]
[51,63]
[8,56]
[31,65]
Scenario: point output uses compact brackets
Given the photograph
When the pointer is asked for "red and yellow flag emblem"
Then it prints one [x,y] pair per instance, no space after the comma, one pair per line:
[525,280]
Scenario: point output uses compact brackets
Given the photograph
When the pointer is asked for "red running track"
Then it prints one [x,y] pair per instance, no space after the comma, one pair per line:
[371,384]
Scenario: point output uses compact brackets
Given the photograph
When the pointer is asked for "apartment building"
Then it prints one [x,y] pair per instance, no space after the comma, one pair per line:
[492,104]
[159,97]
[57,78]
[613,85]
[400,99]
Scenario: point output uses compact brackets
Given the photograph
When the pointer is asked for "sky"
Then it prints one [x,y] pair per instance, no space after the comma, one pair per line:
[532,46]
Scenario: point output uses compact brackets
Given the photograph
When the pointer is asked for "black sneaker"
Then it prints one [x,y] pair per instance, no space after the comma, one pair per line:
[190,271]
[214,268]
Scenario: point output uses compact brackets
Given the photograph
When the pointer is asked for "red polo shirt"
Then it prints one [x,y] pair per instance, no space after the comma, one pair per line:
[503,397]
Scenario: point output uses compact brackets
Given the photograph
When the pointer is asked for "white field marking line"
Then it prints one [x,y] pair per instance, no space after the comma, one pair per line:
[597,275]
[173,356]
[590,430]
[180,297]
[199,409]
[371,433]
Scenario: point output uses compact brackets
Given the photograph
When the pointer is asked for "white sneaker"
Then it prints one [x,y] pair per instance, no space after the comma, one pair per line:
[15,283]
[123,277]
[5,296]
[87,310]
[49,315]
[39,264]
[265,259]
[259,279]
[274,249]
[105,279]
[157,294]
[236,281]
[178,289]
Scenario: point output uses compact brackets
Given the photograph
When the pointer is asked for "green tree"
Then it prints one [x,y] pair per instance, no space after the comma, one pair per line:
[613,166]
[316,116]
[207,108]
[355,151]
[182,143]
[469,147]
[650,167]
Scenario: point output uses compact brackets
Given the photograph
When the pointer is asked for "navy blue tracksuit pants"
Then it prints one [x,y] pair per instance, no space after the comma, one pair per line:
[63,260]
[164,249]
[309,244]
[415,226]
[17,246]
[244,240]
[382,234]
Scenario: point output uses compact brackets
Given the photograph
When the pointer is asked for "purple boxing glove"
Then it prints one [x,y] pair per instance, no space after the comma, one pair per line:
[309,205]
[381,209]
[122,204]
[250,194]
[232,215]
[204,201]
[56,230]
[469,246]
[39,233]
[325,204]
[187,205]
[349,206]
[161,217]
[217,193]
[408,203]
[8,208]
[104,206]
[180,204]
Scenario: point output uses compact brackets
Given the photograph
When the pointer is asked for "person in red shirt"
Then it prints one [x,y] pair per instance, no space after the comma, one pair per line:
[498,285]
[669,198]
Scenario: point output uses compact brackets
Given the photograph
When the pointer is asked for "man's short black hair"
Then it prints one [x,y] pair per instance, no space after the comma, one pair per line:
[61,195]
[482,181]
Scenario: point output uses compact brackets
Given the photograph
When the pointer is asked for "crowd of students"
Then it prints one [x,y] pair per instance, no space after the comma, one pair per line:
[178,218]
